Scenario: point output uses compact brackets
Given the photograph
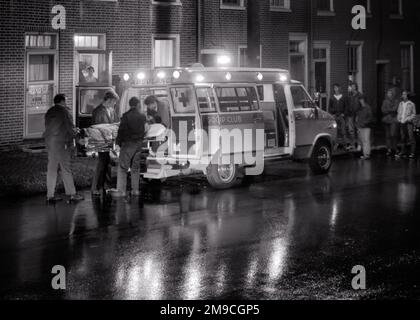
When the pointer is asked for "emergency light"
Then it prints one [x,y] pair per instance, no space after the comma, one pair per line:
[176,74]
[199,78]
[161,74]
[283,77]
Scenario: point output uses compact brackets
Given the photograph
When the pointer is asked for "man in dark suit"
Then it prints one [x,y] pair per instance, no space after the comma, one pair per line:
[103,114]
[131,133]
[58,135]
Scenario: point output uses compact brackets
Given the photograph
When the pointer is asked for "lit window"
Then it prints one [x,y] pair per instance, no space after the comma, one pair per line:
[89,41]
[280,5]
[233,4]
[40,41]
[166,52]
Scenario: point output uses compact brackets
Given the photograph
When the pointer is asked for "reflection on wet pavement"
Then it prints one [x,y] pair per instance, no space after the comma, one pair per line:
[286,235]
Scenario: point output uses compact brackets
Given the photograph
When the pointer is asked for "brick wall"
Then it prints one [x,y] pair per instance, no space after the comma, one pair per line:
[128,25]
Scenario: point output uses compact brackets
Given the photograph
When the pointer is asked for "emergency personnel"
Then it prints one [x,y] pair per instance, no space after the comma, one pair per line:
[103,114]
[59,134]
[151,103]
[130,138]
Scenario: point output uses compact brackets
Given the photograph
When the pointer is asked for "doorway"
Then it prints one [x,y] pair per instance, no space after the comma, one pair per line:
[382,81]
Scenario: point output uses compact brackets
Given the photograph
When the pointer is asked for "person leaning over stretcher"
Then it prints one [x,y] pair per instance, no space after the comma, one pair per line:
[130,137]
[104,114]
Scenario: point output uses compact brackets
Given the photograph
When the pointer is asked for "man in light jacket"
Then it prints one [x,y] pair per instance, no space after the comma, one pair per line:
[406,115]
[104,114]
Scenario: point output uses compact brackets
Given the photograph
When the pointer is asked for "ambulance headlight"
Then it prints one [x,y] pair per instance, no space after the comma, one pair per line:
[283,77]
[228,76]
[176,74]
[161,75]
[141,76]
[199,78]
[126,77]
[260,76]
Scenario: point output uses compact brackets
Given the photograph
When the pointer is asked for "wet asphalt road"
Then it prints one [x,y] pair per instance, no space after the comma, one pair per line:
[287,235]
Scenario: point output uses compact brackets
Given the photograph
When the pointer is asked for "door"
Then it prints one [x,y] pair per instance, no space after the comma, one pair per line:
[321,73]
[185,143]
[41,86]
[241,123]
[382,83]
[283,118]
[305,116]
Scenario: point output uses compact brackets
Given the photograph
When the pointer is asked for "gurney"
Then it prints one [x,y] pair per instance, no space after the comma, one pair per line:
[99,138]
[102,138]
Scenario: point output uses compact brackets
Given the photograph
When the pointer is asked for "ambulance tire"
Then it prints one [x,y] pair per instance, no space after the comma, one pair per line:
[224,177]
[321,158]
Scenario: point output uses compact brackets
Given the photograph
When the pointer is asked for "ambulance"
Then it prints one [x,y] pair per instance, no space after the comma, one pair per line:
[227,122]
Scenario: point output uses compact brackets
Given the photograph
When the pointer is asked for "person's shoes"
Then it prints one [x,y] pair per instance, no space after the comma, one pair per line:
[55,199]
[412,156]
[365,157]
[135,193]
[76,198]
[389,153]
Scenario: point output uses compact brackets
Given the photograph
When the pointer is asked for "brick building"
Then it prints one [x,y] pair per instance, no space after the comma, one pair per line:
[312,38]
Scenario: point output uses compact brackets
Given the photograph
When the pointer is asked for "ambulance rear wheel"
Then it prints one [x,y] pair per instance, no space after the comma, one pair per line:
[224,176]
[321,158]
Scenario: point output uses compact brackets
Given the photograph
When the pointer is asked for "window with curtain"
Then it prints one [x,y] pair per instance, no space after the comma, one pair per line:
[165,52]
[41,68]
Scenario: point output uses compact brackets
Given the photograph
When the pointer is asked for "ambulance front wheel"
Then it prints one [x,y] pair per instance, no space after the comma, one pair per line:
[224,176]
[321,159]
